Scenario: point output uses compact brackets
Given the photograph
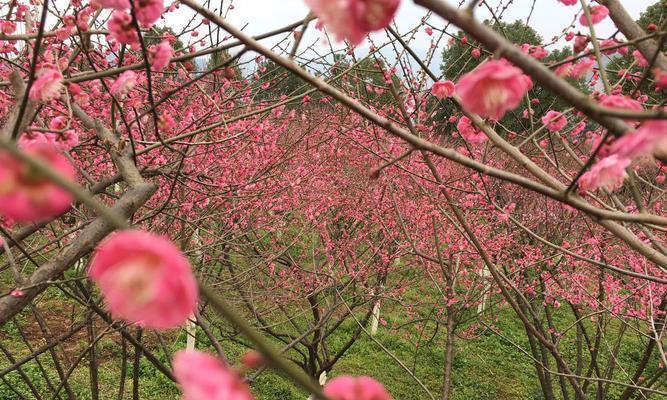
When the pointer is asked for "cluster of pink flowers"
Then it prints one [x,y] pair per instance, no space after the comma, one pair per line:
[160,55]
[356,388]
[582,68]
[124,83]
[61,141]
[468,132]
[26,195]
[554,121]
[352,20]
[493,88]
[609,172]
[598,14]
[120,25]
[537,52]
[121,29]
[621,103]
[203,377]
[47,85]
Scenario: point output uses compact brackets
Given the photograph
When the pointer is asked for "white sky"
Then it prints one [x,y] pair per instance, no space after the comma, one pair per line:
[549,18]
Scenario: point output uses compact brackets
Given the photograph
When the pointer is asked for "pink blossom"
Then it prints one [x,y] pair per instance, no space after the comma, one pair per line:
[429,30]
[58,123]
[355,388]
[476,53]
[115,4]
[651,137]
[442,89]
[493,88]
[468,132]
[621,103]
[580,43]
[26,195]
[353,19]
[124,84]
[47,86]
[608,173]
[569,2]
[580,69]
[539,52]
[204,377]
[554,121]
[144,279]
[7,27]
[598,13]
[640,59]
[608,43]
[660,78]
[160,55]
[121,29]
[149,11]
[564,70]
[67,140]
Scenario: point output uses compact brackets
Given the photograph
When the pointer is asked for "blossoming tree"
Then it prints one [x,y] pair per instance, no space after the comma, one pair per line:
[157,185]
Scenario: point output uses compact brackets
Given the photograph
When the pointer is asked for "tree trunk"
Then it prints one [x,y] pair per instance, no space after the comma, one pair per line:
[449,354]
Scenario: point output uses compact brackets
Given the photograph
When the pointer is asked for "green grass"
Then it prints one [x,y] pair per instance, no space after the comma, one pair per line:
[486,366]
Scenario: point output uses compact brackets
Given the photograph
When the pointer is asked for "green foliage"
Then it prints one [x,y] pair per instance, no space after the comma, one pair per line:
[281,82]
[656,14]
[155,37]
[456,58]
[363,78]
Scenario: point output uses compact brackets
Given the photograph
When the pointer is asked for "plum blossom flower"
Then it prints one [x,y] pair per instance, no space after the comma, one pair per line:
[355,388]
[47,86]
[660,78]
[640,59]
[149,11]
[353,19]
[203,377]
[651,137]
[160,55]
[621,103]
[468,132]
[124,84]
[7,27]
[580,69]
[554,121]
[569,2]
[608,173]
[580,43]
[539,52]
[144,279]
[598,13]
[476,53]
[493,88]
[26,195]
[121,29]
[442,89]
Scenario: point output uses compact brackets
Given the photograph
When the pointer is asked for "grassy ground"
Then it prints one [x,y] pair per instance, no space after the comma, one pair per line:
[487,366]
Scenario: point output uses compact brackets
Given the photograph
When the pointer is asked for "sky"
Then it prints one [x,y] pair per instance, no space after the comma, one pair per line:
[549,18]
